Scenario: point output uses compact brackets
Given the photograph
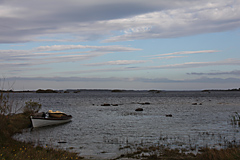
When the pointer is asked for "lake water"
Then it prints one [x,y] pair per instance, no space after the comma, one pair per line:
[103,132]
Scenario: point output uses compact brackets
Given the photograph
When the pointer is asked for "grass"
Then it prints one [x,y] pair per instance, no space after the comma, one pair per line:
[186,150]
[163,153]
[12,149]
[235,119]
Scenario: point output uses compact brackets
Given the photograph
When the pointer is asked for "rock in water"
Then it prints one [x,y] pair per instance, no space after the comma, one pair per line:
[139,109]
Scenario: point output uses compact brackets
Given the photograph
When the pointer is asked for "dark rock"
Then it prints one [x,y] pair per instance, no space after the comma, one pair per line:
[139,109]
[194,103]
[106,104]
[62,142]
[168,115]
[146,103]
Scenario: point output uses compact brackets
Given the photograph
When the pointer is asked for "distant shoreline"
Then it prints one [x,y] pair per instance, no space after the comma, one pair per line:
[111,90]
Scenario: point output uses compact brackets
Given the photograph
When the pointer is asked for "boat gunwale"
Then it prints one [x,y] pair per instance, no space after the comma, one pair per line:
[53,118]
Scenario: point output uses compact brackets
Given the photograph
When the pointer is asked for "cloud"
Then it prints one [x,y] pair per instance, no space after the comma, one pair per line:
[200,64]
[113,48]
[11,59]
[24,21]
[199,80]
[183,21]
[168,57]
[172,55]
[187,52]
[129,79]
[235,73]
[161,67]
[118,62]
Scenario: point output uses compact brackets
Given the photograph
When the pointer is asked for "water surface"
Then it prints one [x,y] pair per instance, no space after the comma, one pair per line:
[105,131]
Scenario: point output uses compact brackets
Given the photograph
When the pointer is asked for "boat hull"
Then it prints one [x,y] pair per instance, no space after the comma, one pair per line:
[41,122]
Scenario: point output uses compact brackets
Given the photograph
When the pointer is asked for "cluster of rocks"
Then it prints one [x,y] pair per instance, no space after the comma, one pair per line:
[138,109]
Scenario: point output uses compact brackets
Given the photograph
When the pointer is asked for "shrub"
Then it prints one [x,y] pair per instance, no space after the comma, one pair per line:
[31,107]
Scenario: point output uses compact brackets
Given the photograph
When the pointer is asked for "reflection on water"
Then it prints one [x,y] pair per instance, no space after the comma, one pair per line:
[198,119]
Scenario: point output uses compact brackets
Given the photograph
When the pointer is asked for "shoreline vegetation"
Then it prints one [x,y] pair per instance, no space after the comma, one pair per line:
[13,149]
[110,90]
[11,124]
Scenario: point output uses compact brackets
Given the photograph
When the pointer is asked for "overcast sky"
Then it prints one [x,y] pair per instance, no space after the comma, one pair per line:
[125,44]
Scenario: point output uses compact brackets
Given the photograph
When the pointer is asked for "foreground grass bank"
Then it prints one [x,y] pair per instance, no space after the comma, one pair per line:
[11,149]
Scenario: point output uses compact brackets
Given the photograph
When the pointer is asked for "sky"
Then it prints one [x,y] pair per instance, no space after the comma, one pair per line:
[125,44]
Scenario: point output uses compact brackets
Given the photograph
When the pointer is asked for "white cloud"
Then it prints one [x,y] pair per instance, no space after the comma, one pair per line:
[184,21]
[188,52]
[118,62]
[98,48]
[170,55]
[24,20]
[11,59]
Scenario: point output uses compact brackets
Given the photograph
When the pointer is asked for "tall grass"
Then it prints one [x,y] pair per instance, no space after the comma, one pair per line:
[168,147]
[235,119]
[164,153]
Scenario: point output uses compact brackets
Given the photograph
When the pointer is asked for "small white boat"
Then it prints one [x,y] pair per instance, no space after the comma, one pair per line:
[46,119]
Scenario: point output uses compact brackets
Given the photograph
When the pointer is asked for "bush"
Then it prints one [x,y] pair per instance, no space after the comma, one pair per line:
[31,107]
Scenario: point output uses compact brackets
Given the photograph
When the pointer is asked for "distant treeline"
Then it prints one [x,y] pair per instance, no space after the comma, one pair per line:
[37,91]
[11,91]
[221,90]
[70,90]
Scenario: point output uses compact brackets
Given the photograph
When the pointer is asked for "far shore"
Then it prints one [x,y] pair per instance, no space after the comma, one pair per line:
[112,90]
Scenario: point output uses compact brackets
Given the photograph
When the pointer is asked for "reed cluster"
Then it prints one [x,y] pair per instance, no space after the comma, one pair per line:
[164,153]
[176,148]
[235,119]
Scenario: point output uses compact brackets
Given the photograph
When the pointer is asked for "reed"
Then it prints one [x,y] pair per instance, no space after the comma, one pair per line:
[177,148]
[235,119]
[162,152]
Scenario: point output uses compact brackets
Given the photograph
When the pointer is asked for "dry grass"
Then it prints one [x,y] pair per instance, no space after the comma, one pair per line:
[12,149]
[163,153]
